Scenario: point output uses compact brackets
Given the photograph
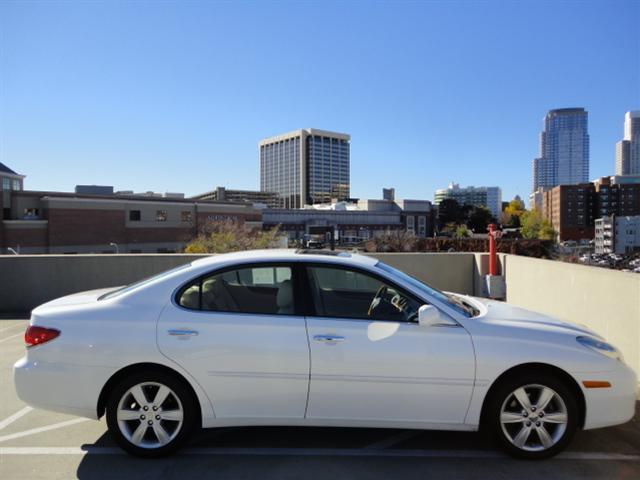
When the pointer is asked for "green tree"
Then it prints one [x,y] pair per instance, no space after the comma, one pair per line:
[231,236]
[534,225]
[449,211]
[461,232]
[479,219]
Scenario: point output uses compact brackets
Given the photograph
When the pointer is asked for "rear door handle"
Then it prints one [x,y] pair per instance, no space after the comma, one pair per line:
[183,333]
[328,338]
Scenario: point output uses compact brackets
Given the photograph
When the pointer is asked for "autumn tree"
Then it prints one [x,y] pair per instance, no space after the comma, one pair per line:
[534,225]
[231,236]
[512,213]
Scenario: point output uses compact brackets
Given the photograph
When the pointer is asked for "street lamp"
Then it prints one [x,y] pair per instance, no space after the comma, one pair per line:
[115,245]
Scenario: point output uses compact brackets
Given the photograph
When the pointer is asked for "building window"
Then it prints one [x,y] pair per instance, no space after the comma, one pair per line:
[161,215]
[185,216]
[16,185]
[31,213]
[411,226]
[6,184]
[134,215]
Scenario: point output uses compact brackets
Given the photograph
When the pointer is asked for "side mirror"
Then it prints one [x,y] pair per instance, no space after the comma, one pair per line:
[428,316]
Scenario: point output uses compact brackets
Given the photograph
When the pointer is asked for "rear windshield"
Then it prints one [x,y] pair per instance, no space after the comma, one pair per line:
[140,283]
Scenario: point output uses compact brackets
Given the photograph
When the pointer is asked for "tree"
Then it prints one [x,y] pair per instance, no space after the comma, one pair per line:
[534,225]
[512,213]
[395,241]
[231,236]
[461,232]
[479,219]
[449,211]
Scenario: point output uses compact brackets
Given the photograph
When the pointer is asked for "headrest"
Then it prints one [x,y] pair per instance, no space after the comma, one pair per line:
[285,294]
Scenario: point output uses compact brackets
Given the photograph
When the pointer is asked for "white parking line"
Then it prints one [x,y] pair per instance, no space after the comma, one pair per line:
[10,337]
[316,452]
[46,428]
[9,420]
[14,326]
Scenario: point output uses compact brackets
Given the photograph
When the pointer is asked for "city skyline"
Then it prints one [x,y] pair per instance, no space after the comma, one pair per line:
[129,96]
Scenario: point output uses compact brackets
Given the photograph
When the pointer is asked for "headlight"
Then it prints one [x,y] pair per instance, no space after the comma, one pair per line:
[601,347]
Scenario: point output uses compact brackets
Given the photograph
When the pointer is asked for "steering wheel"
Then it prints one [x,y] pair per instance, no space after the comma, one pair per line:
[376,300]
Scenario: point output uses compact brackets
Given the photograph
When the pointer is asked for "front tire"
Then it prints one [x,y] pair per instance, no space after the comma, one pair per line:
[151,414]
[533,416]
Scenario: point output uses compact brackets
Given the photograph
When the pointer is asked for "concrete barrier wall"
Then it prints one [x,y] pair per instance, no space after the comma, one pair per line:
[26,281]
[607,301]
[453,272]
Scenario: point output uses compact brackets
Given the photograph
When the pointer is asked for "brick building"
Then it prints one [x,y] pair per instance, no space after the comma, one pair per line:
[56,222]
[573,209]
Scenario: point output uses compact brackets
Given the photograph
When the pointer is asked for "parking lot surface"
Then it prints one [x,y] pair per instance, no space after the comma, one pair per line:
[37,444]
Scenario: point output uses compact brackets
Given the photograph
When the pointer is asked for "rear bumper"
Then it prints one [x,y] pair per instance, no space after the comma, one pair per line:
[610,406]
[71,389]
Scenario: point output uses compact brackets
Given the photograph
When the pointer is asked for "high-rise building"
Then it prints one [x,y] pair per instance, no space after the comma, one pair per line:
[306,166]
[628,149]
[489,197]
[564,149]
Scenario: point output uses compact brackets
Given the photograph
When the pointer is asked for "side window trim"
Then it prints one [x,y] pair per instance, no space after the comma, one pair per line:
[311,310]
[300,307]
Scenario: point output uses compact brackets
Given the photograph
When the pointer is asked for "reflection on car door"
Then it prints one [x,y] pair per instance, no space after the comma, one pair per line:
[381,365]
[238,334]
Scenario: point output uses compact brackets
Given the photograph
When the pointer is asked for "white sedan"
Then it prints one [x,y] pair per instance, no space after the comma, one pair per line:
[316,339]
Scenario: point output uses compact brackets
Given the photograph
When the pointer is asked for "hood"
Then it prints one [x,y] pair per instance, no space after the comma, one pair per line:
[80,298]
[503,314]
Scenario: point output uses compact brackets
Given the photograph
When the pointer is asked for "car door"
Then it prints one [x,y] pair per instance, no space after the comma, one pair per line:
[238,333]
[374,362]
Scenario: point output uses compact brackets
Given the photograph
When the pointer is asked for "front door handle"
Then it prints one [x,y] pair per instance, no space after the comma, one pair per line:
[328,338]
[183,333]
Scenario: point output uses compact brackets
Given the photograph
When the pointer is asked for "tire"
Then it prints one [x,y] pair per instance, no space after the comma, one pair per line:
[158,425]
[545,433]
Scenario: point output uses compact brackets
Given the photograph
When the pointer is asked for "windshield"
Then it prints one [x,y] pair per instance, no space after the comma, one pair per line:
[451,300]
[139,283]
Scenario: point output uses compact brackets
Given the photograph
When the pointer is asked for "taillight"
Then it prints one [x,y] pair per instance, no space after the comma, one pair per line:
[39,335]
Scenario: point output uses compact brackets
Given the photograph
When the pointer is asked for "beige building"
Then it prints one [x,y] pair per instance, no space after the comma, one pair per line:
[306,166]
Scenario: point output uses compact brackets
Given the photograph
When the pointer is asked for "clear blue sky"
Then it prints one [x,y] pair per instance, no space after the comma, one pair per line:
[174,96]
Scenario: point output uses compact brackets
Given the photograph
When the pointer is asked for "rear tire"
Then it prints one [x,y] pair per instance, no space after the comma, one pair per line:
[533,416]
[151,414]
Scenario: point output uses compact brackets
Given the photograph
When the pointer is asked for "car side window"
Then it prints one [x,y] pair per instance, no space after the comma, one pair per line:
[344,293]
[260,289]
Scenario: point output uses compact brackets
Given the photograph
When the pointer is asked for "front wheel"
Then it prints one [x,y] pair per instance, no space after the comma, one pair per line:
[151,414]
[534,416]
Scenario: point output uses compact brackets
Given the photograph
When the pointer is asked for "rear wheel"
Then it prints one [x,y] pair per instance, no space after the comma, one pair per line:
[534,416]
[151,414]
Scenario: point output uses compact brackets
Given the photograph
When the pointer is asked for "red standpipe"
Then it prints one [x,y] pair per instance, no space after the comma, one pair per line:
[493,261]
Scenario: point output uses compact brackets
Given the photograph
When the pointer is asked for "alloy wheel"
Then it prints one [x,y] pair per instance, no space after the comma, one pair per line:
[150,415]
[534,417]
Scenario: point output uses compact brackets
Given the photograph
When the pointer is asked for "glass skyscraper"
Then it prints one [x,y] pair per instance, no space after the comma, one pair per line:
[564,149]
[628,149]
[306,166]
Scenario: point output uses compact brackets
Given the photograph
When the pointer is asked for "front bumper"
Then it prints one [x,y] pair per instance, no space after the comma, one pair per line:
[609,406]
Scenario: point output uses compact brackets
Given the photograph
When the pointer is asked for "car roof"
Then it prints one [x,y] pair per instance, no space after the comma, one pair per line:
[287,255]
